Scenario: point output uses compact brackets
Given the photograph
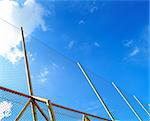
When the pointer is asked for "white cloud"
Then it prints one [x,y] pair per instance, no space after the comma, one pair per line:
[54,66]
[43,75]
[138,48]
[5,109]
[31,57]
[29,15]
[92,108]
[96,44]
[71,44]
[46,70]
[135,51]
[81,22]
[93,9]
[128,43]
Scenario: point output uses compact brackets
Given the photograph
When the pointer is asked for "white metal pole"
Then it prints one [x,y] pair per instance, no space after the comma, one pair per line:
[127,102]
[141,105]
[96,92]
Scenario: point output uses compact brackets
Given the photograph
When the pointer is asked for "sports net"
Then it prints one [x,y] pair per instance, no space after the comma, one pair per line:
[12,103]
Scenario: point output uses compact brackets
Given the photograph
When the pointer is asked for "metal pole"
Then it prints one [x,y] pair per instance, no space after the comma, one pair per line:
[23,110]
[41,111]
[85,118]
[96,92]
[127,102]
[28,75]
[141,105]
[50,110]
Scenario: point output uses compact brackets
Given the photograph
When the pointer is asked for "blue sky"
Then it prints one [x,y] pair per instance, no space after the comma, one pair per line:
[109,38]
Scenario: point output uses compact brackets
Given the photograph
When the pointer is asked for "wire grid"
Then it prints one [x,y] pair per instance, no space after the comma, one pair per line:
[94,119]
[66,115]
[11,104]
[44,108]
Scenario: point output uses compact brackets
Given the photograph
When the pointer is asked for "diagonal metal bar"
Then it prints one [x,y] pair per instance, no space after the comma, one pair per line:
[85,118]
[41,111]
[142,106]
[96,92]
[127,102]
[23,110]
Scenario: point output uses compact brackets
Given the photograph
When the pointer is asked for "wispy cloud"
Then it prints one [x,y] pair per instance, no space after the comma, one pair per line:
[71,44]
[54,66]
[96,44]
[93,9]
[5,109]
[138,48]
[43,75]
[135,51]
[45,71]
[88,7]
[29,15]
[81,22]
[31,57]
[93,107]
[128,43]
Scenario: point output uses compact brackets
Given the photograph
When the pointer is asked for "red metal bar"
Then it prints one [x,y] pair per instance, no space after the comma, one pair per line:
[53,104]
[77,111]
[15,92]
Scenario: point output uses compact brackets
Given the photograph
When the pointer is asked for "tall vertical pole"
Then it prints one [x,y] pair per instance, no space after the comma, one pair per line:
[142,106]
[127,102]
[28,76]
[96,92]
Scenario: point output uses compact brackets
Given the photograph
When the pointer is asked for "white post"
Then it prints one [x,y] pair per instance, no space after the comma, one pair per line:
[141,105]
[127,102]
[96,92]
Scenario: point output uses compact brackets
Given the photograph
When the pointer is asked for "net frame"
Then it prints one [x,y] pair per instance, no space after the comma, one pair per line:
[49,105]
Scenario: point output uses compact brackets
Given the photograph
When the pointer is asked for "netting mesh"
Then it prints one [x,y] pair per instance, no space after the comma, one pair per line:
[11,105]
[115,101]
[63,115]
[58,78]
[12,68]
